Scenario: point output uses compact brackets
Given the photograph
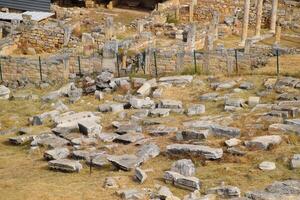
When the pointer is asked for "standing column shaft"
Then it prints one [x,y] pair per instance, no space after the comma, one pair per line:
[258,17]
[278,33]
[245,21]
[273,16]
[191,12]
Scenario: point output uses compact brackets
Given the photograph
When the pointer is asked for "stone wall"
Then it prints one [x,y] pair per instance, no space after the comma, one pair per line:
[48,38]
[54,68]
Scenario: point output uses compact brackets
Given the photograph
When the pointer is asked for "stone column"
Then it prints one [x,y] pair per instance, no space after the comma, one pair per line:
[215,22]
[140,26]
[66,70]
[273,16]
[247,48]
[124,59]
[278,33]
[245,22]
[191,37]
[258,17]
[109,27]
[177,12]
[191,12]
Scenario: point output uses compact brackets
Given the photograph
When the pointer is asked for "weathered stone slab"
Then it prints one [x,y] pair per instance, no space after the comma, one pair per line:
[200,150]
[129,194]
[195,109]
[170,104]
[157,93]
[140,175]
[267,166]
[203,124]
[285,187]
[117,107]
[147,151]
[98,161]
[89,127]
[263,142]
[108,137]
[86,154]
[232,142]
[192,134]
[65,165]
[236,102]
[71,120]
[236,151]
[253,101]
[209,96]
[184,167]
[144,90]
[146,103]
[39,119]
[129,138]
[125,162]
[21,139]
[225,131]
[246,85]
[159,112]
[287,128]
[189,183]
[295,161]
[128,128]
[177,79]
[226,191]
[289,103]
[4,92]
[49,140]
[292,122]
[224,85]
[57,153]
[161,130]
[84,141]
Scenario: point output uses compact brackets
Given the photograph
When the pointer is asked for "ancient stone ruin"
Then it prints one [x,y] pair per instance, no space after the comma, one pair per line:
[160,100]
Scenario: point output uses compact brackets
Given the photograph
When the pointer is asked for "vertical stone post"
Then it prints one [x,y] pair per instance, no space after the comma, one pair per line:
[258,17]
[140,26]
[273,16]
[215,22]
[191,37]
[177,12]
[278,33]
[191,17]
[208,47]
[248,44]
[180,57]
[229,62]
[109,27]
[66,69]
[177,9]
[245,22]
[124,59]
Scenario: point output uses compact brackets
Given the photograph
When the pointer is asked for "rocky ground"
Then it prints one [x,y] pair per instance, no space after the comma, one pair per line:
[178,137]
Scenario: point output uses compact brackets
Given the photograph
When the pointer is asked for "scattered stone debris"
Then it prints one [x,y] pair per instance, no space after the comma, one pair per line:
[65,165]
[140,175]
[206,151]
[264,142]
[267,166]
[102,114]
[227,191]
